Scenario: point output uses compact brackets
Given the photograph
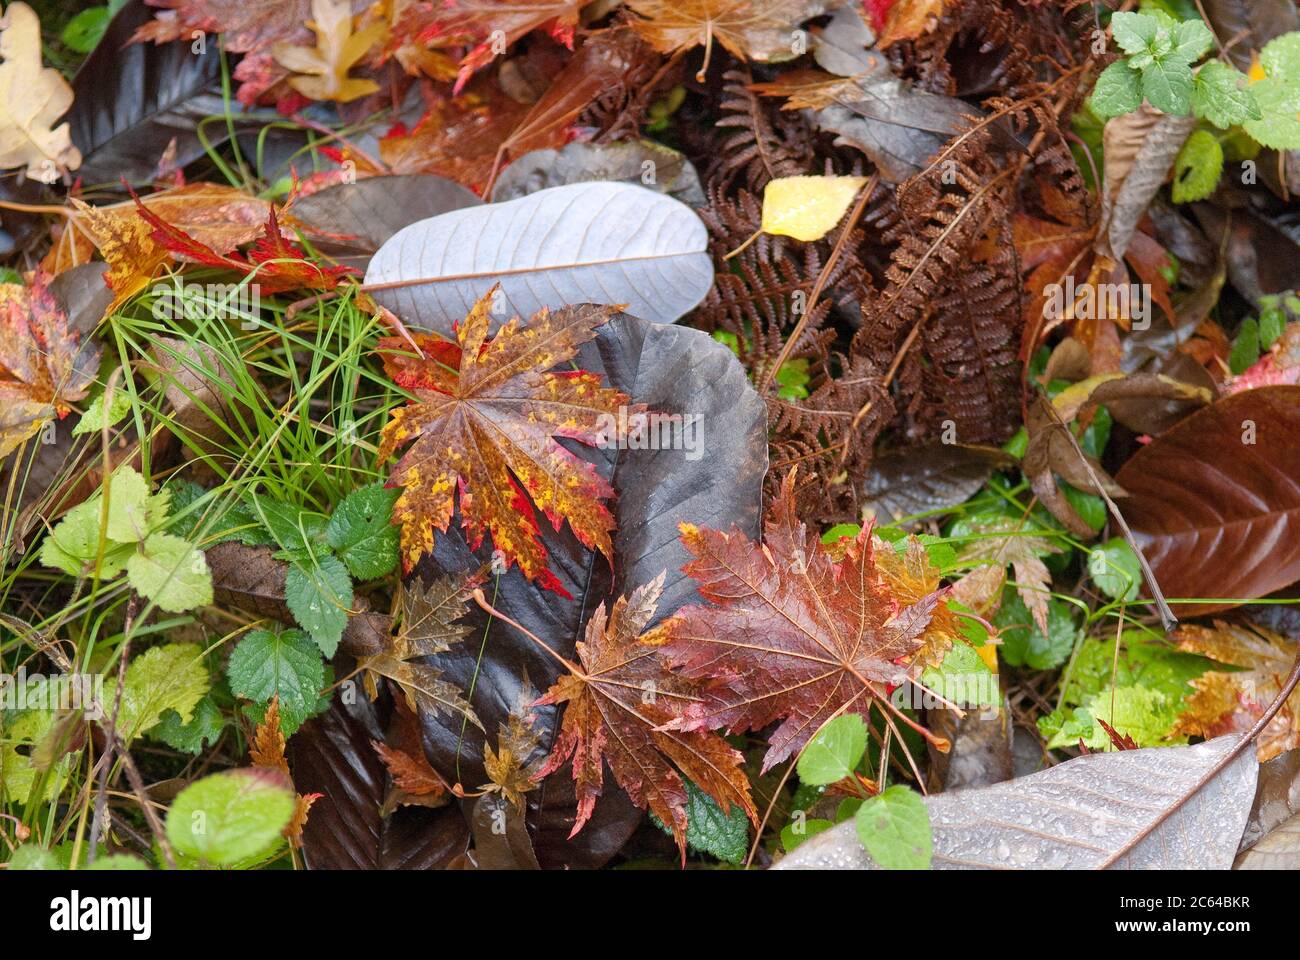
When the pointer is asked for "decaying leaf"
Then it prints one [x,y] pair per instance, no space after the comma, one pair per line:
[790,634]
[32,98]
[1231,702]
[430,615]
[617,704]
[44,366]
[484,422]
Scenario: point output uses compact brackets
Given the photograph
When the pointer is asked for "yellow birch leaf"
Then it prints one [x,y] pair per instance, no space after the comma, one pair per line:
[806,208]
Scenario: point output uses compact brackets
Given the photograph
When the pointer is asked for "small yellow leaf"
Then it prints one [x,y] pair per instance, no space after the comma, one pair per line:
[806,208]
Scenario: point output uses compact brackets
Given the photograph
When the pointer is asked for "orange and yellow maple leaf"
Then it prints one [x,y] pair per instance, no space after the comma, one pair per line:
[484,424]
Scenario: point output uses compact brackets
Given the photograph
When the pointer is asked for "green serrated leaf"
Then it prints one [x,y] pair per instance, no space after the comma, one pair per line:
[128,501]
[1167,86]
[202,730]
[1023,644]
[1134,32]
[291,528]
[1118,91]
[231,817]
[1219,95]
[74,542]
[171,677]
[319,597]
[284,663]
[100,414]
[1278,126]
[1197,167]
[963,678]
[895,829]
[1192,40]
[709,830]
[171,572]
[362,533]
[834,751]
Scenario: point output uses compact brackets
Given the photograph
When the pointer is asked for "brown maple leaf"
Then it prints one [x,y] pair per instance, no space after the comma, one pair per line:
[511,20]
[513,767]
[484,422]
[411,774]
[618,703]
[748,29]
[1231,702]
[44,366]
[789,633]
[430,625]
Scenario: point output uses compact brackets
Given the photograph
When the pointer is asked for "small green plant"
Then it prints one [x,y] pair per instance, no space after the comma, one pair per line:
[121,528]
[324,553]
[893,823]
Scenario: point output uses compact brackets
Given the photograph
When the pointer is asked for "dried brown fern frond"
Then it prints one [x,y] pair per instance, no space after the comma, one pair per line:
[946,323]
[766,144]
[619,113]
[826,438]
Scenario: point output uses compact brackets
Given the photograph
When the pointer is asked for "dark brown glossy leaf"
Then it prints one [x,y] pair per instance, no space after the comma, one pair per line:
[1214,502]
[916,479]
[1247,25]
[350,221]
[332,755]
[672,369]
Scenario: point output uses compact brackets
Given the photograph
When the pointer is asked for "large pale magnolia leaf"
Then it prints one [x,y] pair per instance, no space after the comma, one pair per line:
[1214,501]
[1080,815]
[606,243]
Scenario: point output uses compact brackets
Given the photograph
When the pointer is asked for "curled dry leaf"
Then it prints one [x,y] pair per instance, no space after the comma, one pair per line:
[617,706]
[321,72]
[513,767]
[430,625]
[747,29]
[485,420]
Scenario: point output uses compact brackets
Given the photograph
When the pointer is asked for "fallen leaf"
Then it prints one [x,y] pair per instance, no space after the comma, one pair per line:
[747,29]
[32,98]
[1227,702]
[321,72]
[513,767]
[807,208]
[484,421]
[616,708]
[790,634]
[1104,812]
[606,243]
[44,366]
[430,626]
[1212,501]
